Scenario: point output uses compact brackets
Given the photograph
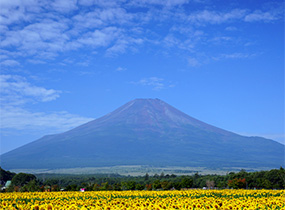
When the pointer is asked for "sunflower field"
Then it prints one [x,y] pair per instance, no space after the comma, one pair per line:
[154,200]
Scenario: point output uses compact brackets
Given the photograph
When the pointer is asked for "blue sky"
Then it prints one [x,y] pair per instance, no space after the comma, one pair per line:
[66,62]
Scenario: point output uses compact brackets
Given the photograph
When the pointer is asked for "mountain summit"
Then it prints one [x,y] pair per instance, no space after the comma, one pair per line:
[146,132]
[153,114]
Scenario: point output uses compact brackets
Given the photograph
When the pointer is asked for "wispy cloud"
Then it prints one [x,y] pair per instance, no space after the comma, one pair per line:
[231,28]
[235,56]
[166,3]
[121,69]
[262,16]
[100,3]
[17,11]
[43,30]
[43,39]
[34,61]
[64,6]
[155,82]
[16,92]
[221,39]
[53,34]
[187,43]
[193,62]
[9,63]
[123,44]
[20,119]
[99,38]
[214,17]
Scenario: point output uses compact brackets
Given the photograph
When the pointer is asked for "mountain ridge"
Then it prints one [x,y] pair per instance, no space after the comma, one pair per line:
[146,132]
[186,117]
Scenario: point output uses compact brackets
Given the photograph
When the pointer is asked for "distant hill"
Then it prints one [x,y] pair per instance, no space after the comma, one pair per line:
[146,132]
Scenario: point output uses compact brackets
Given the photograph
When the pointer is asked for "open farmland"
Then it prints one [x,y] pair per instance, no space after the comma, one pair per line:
[188,199]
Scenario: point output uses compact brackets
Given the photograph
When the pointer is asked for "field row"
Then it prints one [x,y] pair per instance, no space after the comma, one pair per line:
[155,200]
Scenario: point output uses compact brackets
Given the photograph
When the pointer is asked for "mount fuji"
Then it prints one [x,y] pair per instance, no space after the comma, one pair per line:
[145,132]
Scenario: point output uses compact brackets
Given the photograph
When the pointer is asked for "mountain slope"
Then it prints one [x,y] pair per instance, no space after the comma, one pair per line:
[146,132]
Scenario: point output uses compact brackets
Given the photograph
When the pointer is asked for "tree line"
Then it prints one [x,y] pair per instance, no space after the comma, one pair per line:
[272,179]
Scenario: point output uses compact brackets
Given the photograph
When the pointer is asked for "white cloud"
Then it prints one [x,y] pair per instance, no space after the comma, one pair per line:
[231,28]
[102,17]
[220,39]
[16,90]
[83,63]
[42,39]
[21,119]
[214,17]
[193,62]
[122,44]
[43,30]
[99,38]
[121,69]
[167,3]
[171,40]
[88,20]
[115,15]
[101,3]
[237,55]
[119,47]
[36,61]
[186,43]
[17,11]
[155,82]
[52,34]
[47,38]
[64,6]
[261,16]
[9,63]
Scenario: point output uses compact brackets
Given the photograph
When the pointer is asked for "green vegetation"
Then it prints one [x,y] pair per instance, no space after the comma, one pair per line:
[273,179]
[5,175]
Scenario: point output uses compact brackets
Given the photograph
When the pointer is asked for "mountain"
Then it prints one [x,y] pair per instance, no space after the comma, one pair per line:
[146,132]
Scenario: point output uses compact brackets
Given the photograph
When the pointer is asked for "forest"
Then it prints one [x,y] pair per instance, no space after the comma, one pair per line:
[272,179]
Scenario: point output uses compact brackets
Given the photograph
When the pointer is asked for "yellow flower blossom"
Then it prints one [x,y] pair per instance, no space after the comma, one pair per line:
[144,200]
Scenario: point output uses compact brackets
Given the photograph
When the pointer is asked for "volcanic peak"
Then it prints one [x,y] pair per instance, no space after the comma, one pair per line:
[146,132]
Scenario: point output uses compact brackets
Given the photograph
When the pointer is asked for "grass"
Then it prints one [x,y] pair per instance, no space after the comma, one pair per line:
[138,170]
